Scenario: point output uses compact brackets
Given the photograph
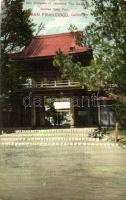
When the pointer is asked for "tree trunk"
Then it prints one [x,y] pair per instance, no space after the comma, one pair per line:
[116,132]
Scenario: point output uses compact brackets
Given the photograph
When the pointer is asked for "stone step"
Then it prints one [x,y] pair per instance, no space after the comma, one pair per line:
[43,135]
[56,130]
[49,133]
[28,144]
[51,138]
[25,139]
[69,130]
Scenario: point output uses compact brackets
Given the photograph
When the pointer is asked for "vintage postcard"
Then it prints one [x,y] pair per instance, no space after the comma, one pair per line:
[63,100]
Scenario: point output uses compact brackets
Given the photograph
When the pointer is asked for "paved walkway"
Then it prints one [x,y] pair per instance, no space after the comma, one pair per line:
[93,170]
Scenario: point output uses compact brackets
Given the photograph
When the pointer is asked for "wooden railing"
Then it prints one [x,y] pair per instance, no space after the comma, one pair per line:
[52,84]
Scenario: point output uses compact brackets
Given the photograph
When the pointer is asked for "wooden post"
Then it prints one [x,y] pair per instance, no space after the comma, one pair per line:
[99,115]
[116,132]
[18,118]
[69,82]
[33,114]
[42,114]
[72,114]
[33,83]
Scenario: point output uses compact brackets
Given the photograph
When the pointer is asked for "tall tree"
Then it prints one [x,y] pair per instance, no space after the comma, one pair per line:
[17,28]
[107,37]
[16,32]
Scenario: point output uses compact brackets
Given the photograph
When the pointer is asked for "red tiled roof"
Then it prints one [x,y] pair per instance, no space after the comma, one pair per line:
[48,45]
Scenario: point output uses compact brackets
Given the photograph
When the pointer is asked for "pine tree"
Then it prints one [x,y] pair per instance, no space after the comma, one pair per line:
[16,32]
[107,37]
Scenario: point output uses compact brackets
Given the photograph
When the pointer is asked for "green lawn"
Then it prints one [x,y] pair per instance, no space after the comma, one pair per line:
[122,132]
[122,135]
[123,142]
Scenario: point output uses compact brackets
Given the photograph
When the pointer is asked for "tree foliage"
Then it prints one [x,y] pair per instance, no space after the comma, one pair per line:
[119,108]
[17,28]
[107,37]
[16,32]
[86,76]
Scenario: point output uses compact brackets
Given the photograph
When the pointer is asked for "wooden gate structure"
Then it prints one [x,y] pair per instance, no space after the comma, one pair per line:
[28,102]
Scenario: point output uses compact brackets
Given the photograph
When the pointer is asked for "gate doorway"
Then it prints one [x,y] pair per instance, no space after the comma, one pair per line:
[59,119]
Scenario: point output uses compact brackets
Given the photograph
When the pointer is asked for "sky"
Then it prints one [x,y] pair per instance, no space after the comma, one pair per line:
[57,15]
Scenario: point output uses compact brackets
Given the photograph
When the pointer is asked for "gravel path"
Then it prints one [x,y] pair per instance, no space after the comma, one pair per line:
[88,172]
